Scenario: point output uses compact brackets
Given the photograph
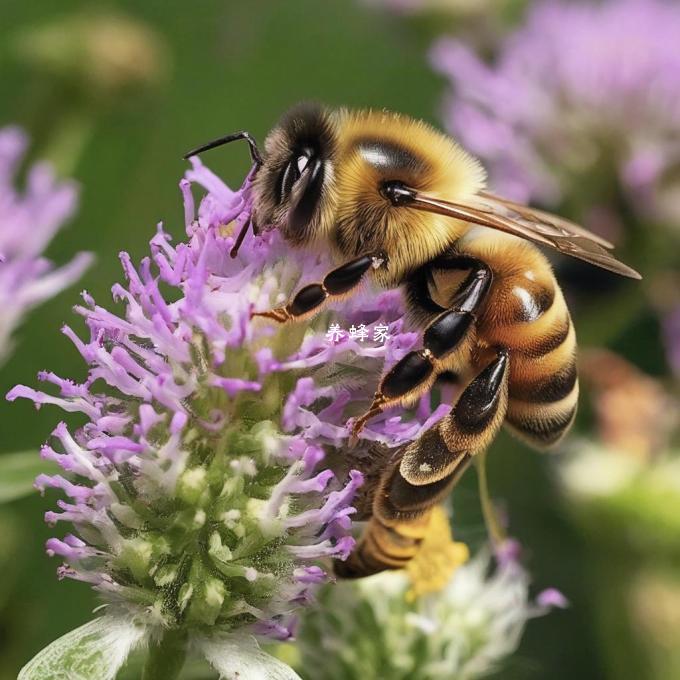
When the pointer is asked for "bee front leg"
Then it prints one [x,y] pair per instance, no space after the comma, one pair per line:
[311,299]
[415,373]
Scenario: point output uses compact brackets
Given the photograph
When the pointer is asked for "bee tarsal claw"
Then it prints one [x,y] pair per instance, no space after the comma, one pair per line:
[280,314]
[376,408]
[354,434]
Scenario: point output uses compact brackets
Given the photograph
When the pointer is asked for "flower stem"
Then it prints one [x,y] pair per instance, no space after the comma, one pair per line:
[68,141]
[493,524]
[166,656]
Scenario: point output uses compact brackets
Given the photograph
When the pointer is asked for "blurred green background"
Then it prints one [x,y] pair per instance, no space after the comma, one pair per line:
[198,71]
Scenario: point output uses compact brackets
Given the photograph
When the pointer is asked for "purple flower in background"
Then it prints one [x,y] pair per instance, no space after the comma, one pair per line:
[198,488]
[578,86]
[28,222]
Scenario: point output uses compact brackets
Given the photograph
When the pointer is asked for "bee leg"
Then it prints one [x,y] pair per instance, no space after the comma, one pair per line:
[424,473]
[415,373]
[473,422]
[310,300]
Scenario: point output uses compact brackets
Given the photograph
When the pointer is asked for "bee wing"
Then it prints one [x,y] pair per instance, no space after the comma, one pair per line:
[530,224]
[540,218]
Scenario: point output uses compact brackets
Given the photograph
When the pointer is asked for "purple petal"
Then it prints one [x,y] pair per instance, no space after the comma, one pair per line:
[551,597]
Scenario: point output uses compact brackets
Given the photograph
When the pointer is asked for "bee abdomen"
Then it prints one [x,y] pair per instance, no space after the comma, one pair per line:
[526,313]
[542,428]
[399,522]
[543,384]
[384,547]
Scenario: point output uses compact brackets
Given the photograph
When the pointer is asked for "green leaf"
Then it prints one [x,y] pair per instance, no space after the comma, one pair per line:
[239,657]
[17,472]
[95,651]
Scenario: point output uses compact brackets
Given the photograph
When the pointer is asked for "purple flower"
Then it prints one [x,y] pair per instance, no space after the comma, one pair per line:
[28,222]
[577,86]
[551,597]
[198,489]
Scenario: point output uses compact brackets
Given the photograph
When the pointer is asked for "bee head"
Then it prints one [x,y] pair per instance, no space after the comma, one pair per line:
[291,187]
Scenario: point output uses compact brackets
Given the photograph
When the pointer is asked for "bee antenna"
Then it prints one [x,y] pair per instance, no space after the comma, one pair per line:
[236,136]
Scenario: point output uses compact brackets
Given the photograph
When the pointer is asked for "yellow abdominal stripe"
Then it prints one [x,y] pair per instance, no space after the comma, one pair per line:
[437,558]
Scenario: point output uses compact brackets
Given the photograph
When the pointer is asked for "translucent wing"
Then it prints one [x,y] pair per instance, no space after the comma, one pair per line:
[530,224]
[539,218]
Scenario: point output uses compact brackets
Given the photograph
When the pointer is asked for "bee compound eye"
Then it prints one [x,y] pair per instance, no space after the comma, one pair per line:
[288,177]
[307,194]
[295,168]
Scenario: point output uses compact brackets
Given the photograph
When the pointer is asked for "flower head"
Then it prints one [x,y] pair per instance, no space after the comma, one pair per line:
[199,486]
[462,629]
[562,97]
[28,222]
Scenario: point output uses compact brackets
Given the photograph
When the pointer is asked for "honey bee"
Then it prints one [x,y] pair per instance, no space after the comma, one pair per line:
[398,202]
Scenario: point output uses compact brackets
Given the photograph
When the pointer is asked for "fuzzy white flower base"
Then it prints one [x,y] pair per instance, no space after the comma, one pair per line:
[463,632]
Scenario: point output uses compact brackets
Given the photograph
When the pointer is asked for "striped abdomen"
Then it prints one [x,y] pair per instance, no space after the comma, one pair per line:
[522,357]
[400,518]
[526,313]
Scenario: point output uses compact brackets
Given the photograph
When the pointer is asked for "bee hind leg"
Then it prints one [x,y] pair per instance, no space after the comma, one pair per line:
[311,299]
[473,422]
[424,473]
[415,373]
